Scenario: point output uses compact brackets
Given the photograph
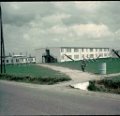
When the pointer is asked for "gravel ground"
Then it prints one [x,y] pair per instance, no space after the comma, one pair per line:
[76,75]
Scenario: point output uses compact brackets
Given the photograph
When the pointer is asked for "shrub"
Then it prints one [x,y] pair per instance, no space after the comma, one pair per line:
[111,85]
[91,85]
[31,79]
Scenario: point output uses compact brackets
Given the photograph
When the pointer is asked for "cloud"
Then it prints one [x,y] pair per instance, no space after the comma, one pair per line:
[23,12]
[91,30]
[117,35]
[88,6]
[82,30]
[55,19]
[58,29]
[29,25]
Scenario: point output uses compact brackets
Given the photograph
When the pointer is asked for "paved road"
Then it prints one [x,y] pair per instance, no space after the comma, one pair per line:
[16,99]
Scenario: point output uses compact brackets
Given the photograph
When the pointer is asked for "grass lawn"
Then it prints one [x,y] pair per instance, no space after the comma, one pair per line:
[31,70]
[33,73]
[113,65]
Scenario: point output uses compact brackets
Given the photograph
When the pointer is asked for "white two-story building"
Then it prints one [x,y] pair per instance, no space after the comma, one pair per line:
[64,54]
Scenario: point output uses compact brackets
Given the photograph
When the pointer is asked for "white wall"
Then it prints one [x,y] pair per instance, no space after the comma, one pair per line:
[86,53]
[21,60]
[72,54]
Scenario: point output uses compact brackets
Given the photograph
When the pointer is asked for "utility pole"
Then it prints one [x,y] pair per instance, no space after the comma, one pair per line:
[3,69]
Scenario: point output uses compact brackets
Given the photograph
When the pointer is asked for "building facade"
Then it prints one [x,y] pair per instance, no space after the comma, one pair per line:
[18,59]
[64,54]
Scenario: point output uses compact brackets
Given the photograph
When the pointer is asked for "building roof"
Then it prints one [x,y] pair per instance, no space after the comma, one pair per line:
[73,47]
[85,47]
[18,55]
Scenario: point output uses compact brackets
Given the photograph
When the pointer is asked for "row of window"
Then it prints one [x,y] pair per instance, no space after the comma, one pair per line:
[84,49]
[6,61]
[86,56]
[95,55]
[17,60]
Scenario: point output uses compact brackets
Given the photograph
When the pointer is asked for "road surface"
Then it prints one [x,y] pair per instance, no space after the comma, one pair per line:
[21,99]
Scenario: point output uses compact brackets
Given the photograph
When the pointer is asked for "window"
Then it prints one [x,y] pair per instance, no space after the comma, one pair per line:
[101,55]
[68,50]
[87,56]
[12,60]
[100,49]
[91,49]
[105,54]
[86,50]
[91,55]
[7,61]
[62,57]
[62,50]
[17,60]
[107,49]
[82,49]
[76,56]
[83,56]
[70,56]
[76,50]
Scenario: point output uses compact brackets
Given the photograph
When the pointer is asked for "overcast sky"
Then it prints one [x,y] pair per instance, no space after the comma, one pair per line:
[32,25]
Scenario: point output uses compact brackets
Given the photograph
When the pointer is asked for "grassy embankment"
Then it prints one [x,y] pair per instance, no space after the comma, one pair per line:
[109,84]
[33,74]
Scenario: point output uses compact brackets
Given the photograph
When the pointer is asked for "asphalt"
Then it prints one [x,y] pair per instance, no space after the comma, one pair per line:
[29,99]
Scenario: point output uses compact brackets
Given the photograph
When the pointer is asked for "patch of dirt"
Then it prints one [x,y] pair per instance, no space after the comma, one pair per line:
[77,76]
